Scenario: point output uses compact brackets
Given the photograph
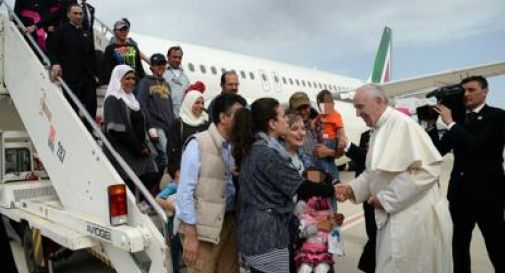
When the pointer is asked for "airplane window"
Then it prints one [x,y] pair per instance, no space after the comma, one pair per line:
[233,70]
[303,83]
[320,85]
[276,79]
[203,69]
[325,86]
[309,83]
[191,67]
[213,70]
[223,70]
[242,73]
[264,77]
[251,75]
[284,80]
[314,84]
[290,81]
[297,82]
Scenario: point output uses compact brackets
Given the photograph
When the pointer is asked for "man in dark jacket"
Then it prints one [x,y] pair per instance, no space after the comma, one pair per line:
[155,100]
[477,186]
[358,156]
[72,54]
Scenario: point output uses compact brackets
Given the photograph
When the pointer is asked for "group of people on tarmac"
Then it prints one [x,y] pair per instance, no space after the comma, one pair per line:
[243,183]
[260,180]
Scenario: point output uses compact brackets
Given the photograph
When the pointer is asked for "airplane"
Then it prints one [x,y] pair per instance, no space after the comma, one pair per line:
[266,78]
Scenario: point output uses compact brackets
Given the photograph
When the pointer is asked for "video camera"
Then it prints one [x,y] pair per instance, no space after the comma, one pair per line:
[450,96]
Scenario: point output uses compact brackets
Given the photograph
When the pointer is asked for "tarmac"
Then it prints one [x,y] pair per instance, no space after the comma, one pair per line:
[354,237]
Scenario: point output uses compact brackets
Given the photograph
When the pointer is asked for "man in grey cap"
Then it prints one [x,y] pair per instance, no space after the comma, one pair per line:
[122,52]
[155,99]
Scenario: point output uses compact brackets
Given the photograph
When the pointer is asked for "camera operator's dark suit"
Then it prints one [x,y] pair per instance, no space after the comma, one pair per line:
[358,156]
[477,185]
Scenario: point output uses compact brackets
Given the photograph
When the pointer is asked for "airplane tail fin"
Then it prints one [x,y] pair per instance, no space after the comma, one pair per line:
[381,71]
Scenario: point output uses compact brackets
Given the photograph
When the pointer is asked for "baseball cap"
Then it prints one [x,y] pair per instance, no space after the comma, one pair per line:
[121,24]
[157,58]
[298,99]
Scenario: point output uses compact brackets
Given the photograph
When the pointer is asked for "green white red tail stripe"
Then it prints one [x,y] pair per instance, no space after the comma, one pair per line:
[381,72]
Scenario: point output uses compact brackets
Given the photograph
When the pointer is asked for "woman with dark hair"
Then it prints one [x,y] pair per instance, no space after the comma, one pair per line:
[268,183]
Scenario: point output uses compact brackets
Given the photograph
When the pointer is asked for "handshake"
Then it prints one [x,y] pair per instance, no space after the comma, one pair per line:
[343,192]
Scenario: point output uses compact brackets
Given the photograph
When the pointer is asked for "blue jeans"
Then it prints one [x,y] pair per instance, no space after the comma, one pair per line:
[327,164]
[161,149]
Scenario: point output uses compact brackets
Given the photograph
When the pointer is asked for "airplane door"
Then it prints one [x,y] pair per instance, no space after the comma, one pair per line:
[264,80]
[276,82]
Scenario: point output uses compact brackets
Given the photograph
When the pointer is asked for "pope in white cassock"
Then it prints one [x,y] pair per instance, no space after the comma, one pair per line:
[414,227]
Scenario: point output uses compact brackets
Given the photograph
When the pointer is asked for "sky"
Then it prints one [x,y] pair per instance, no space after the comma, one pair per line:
[341,37]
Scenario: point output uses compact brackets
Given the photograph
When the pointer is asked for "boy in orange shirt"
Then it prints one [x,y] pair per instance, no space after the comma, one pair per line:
[330,128]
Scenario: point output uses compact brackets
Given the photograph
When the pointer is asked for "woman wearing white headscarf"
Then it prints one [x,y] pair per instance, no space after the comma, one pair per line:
[124,126]
[192,119]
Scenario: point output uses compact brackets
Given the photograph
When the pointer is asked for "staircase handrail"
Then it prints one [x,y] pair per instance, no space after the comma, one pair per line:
[129,172]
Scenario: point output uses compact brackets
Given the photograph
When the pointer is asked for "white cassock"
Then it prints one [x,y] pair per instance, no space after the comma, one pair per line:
[414,231]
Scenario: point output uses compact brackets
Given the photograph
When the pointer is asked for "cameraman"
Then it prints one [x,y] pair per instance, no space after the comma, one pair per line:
[477,186]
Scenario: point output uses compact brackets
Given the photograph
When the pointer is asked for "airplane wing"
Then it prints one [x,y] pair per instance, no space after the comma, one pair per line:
[423,84]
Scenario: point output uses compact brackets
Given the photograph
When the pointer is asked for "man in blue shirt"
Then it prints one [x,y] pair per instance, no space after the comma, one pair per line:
[205,202]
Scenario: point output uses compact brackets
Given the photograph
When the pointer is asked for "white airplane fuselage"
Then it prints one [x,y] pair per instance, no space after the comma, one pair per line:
[269,78]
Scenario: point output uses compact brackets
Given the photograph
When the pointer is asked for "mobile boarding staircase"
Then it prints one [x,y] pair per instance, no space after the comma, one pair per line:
[74,206]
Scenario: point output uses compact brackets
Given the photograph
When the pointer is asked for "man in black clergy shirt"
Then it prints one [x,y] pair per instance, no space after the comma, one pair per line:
[477,185]
[72,53]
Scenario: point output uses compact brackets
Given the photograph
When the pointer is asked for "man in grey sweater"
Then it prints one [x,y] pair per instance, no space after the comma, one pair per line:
[155,98]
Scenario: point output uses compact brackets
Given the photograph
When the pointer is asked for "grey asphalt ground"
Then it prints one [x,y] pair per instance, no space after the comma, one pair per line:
[353,235]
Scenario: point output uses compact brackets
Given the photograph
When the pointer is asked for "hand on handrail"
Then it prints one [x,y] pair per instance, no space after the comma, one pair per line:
[30,29]
[55,72]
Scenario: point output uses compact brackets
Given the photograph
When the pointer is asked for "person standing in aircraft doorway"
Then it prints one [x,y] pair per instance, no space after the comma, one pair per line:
[176,78]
